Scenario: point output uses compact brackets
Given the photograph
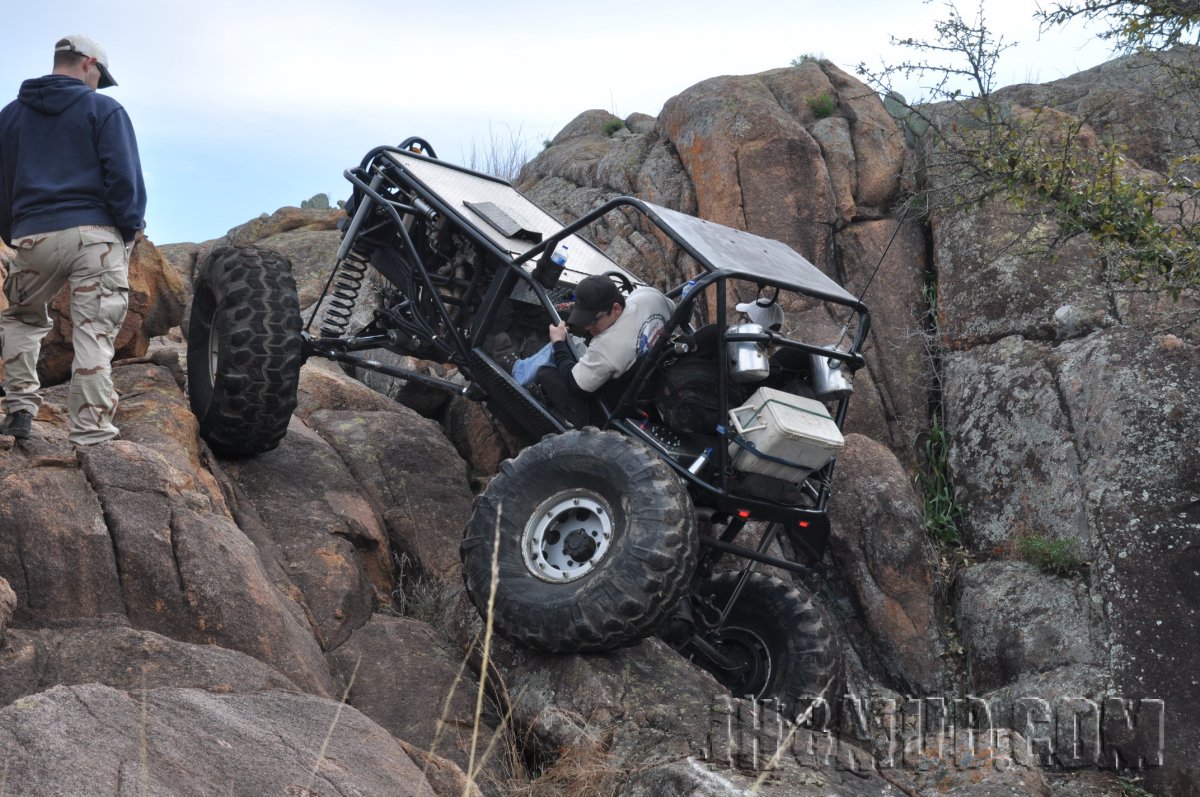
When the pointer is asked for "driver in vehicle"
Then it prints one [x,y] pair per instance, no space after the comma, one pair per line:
[621,328]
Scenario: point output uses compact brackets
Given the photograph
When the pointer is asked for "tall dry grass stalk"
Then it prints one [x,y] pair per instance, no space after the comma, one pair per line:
[500,157]
[786,742]
[485,653]
[494,680]
[444,719]
[337,716]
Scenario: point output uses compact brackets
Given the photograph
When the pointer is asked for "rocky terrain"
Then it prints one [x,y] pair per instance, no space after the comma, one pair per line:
[293,623]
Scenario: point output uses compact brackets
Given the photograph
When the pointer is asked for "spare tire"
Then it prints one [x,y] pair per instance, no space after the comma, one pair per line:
[597,542]
[244,349]
[779,636]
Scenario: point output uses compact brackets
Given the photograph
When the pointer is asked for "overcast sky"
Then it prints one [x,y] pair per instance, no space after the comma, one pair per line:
[243,107]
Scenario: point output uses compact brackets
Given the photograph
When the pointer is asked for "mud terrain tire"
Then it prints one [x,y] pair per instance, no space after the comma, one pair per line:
[784,638]
[244,349]
[597,542]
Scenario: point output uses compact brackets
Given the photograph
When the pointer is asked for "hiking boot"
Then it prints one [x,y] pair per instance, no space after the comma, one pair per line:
[17,425]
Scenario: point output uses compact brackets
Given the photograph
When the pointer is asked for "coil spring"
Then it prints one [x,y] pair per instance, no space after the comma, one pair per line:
[343,294]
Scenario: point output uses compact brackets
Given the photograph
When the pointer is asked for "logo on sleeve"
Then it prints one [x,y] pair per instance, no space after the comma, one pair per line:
[651,331]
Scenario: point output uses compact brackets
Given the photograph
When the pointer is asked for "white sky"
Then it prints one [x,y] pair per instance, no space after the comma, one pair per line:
[243,107]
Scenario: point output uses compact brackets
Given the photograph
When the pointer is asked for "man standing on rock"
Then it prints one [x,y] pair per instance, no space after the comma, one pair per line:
[71,202]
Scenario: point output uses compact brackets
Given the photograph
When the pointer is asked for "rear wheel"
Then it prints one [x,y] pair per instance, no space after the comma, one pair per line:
[244,349]
[597,541]
[775,642]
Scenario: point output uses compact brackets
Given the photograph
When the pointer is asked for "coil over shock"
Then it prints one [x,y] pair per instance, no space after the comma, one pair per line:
[343,295]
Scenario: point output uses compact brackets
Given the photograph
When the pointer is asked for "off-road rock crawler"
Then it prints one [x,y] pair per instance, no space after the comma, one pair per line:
[715,447]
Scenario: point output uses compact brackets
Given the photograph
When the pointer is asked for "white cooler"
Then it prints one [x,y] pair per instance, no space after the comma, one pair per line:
[787,427]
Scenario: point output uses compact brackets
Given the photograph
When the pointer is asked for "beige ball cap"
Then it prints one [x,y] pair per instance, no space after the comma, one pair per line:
[78,43]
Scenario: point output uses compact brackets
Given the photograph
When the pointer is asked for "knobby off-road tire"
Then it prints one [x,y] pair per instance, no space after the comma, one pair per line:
[782,636]
[597,542]
[244,349]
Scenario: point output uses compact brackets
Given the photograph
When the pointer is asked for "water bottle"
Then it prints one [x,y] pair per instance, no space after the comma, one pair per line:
[687,288]
[548,272]
[561,252]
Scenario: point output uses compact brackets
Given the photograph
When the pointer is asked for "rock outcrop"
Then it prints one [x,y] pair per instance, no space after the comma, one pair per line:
[109,651]
[158,571]
[8,602]
[439,716]
[881,549]
[309,238]
[94,739]
[1063,392]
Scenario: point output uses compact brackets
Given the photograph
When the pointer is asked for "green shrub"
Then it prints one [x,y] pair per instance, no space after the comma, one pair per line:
[315,202]
[1044,164]
[1129,788]
[612,126]
[1057,557]
[806,57]
[943,514]
[822,105]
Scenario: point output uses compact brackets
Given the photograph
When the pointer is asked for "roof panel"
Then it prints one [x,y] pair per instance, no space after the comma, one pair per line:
[749,256]
[457,186]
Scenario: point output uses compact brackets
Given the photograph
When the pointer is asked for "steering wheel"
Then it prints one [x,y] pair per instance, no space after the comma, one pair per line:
[623,283]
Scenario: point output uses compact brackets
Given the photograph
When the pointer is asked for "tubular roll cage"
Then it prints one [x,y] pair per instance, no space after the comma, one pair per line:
[807,525]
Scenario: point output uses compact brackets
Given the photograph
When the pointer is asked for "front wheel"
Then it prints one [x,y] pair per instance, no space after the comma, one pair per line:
[596,543]
[776,642]
[244,349]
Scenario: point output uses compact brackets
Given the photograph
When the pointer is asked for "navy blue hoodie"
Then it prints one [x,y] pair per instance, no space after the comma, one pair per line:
[68,157]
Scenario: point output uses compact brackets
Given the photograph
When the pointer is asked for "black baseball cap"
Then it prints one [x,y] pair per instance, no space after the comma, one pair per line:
[593,296]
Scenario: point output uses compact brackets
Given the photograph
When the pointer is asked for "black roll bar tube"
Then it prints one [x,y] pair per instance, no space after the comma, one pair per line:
[399,373]
[391,208]
[756,556]
[405,147]
[855,361]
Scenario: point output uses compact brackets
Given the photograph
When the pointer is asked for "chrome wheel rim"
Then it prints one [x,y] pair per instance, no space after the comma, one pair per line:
[214,349]
[569,535]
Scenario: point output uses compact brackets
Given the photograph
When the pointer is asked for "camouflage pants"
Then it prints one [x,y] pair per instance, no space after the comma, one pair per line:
[95,262]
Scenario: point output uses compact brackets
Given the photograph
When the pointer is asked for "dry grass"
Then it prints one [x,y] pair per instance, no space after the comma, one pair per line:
[432,601]
[500,156]
[578,771]
[337,716]
[421,597]
[785,743]
[514,763]
[487,648]
[444,720]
